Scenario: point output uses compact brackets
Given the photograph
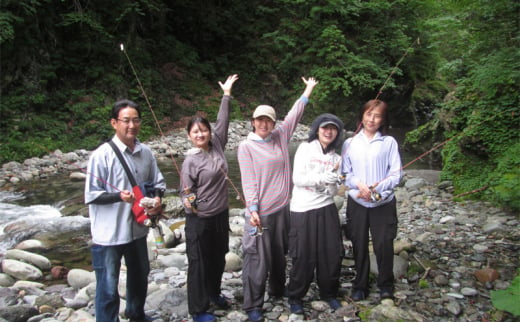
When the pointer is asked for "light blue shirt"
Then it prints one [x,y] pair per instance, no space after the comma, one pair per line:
[371,161]
[114,224]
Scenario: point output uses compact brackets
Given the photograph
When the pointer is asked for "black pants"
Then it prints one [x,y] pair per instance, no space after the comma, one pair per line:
[315,245]
[382,223]
[207,242]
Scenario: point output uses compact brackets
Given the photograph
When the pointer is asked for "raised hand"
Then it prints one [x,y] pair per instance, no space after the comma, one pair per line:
[226,86]
[311,83]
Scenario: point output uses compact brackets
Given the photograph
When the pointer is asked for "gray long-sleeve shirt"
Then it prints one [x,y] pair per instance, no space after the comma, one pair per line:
[205,172]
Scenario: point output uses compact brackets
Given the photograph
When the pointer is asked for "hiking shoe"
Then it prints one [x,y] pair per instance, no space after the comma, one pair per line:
[204,317]
[255,316]
[334,304]
[219,301]
[296,308]
[358,295]
[386,293]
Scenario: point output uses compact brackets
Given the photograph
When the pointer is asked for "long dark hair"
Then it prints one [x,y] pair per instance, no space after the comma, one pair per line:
[371,104]
[198,120]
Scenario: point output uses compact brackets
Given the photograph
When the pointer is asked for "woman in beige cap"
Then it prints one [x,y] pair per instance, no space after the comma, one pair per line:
[266,181]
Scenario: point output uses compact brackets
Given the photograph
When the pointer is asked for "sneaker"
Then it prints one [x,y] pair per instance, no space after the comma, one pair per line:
[334,304]
[255,316]
[386,293]
[219,301]
[204,317]
[296,308]
[358,295]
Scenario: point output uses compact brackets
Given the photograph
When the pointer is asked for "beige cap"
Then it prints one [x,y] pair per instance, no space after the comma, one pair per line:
[265,110]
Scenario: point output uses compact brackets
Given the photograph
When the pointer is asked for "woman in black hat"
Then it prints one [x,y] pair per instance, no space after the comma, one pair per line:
[315,243]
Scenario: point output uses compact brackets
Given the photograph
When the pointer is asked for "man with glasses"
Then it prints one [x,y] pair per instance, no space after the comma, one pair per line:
[115,232]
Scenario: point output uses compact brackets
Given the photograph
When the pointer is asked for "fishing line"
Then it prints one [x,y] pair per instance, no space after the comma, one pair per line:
[161,132]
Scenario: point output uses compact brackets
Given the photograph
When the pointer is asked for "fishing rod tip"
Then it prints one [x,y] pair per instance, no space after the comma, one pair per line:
[122,47]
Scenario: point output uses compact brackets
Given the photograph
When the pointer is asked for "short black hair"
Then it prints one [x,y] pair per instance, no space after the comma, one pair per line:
[121,104]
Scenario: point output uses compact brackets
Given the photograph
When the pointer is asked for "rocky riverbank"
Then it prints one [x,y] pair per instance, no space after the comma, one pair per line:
[449,256]
[173,144]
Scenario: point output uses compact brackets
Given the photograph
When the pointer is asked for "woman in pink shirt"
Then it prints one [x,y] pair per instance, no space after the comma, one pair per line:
[266,181]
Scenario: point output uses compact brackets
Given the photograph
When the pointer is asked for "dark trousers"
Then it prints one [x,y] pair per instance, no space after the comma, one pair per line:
[315,245]
[106,261]
[381,221]
[264,255]
[207,242]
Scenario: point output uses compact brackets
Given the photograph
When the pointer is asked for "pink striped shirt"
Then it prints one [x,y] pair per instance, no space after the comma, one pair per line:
[265,165]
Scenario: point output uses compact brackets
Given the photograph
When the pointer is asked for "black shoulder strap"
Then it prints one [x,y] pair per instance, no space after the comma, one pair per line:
[123,162]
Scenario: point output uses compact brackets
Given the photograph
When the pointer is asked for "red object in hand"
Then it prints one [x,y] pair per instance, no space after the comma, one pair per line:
[138,211]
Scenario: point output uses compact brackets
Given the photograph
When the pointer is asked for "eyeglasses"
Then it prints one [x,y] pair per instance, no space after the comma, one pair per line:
[135,121]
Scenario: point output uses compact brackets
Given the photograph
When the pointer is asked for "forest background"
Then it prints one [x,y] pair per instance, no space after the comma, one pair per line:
[450,71]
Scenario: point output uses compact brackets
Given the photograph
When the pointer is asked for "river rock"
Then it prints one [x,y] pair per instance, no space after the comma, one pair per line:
[400,266]
[487,275]
[173,303]
[30,244]
[387,311]
[233,262]
[79,278]
[8,297]
[77,176]
[6,280]
[37,260]
[54,301]
[18,313]
[173,260]
[21,270]
[59,272]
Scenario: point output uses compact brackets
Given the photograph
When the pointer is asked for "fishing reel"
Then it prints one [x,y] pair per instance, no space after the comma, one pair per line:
[152,220]
[256,231]
[374,196]
[192,199]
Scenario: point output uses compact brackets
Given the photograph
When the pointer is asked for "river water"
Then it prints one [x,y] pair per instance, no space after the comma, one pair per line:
[39,202]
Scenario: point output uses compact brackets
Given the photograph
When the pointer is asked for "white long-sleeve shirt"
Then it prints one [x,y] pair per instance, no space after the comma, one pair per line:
[371,161]
[310,163]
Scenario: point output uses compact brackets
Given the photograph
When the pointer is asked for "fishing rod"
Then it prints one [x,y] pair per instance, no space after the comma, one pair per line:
[442,144]
[162,133]
[394,69]
[396,66]
[122,47]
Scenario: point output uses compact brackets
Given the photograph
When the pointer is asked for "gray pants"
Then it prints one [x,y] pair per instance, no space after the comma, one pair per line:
[264,256]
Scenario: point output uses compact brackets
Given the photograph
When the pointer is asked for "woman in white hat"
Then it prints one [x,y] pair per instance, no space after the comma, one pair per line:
[266,181]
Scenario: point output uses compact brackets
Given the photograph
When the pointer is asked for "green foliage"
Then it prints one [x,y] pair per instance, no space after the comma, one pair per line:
[423,283]
[507,300]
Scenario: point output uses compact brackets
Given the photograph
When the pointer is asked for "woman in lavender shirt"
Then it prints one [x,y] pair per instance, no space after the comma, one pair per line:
[372,166]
